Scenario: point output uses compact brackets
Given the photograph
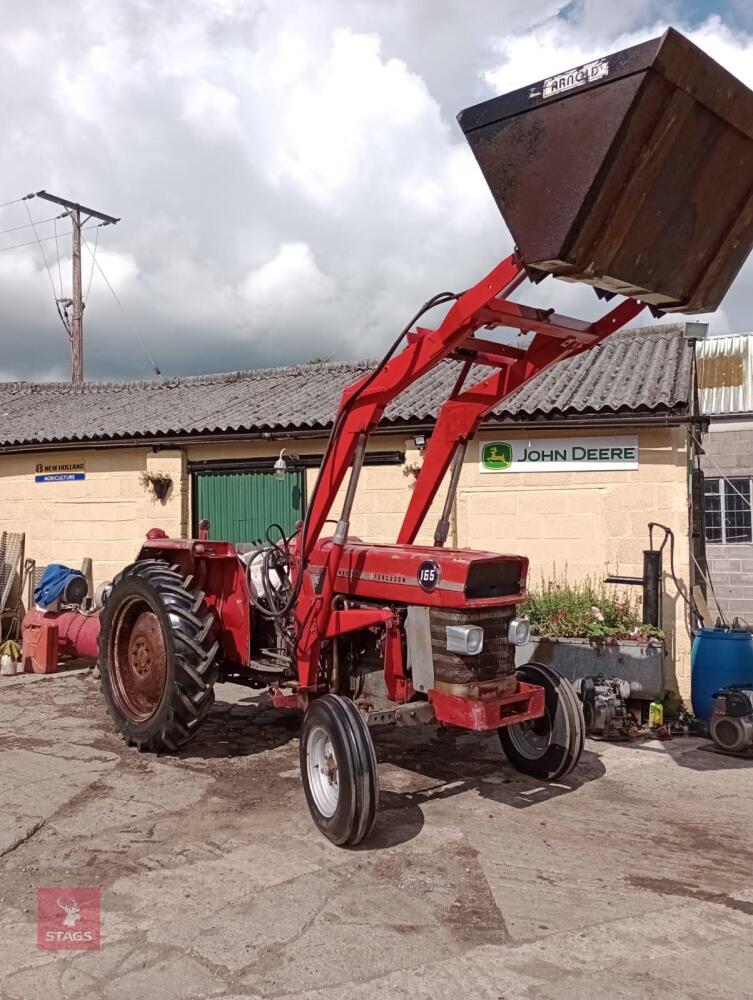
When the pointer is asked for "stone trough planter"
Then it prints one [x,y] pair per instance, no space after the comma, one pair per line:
[639,663]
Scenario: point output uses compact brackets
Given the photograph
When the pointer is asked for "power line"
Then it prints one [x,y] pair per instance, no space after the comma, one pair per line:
[44,255]
[26,225]
[46,239]
[16,201]
[155,367]
[57,251]
[61,314]
[91,272]
[99,268]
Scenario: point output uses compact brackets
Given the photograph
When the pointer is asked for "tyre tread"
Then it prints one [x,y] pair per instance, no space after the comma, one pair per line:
[556,768]
[194,650]
[359,809]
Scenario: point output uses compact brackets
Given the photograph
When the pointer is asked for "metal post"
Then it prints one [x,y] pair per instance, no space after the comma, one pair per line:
[76,331]
[652,579]
[77,317]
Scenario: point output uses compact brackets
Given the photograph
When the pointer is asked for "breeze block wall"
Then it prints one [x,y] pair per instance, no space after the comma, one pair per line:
[729,452]
[578,523]
[591,523]
[104,516]
[575,523]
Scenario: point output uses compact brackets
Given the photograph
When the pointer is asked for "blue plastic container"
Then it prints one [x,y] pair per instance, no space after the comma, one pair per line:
[720,657]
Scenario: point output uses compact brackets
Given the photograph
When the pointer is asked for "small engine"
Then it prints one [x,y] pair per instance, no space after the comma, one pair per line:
[732,719]
[605,710]
[73,594]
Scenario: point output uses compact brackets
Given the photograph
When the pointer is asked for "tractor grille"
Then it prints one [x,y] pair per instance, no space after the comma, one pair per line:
[496,659]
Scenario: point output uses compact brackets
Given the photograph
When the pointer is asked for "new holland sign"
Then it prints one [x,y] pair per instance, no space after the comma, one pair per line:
[616,454]
[59,473]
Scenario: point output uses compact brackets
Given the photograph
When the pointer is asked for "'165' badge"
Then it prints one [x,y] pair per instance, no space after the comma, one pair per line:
[429,575]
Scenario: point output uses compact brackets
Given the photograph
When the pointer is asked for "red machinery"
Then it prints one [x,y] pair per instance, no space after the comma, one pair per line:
[358,634]
[49,637]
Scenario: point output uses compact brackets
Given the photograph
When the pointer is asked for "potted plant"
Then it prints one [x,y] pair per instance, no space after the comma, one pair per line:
[10,658]
[157,483]
[588,628]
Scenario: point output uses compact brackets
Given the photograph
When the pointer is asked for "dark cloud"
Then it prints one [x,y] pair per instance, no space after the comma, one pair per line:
[290,176]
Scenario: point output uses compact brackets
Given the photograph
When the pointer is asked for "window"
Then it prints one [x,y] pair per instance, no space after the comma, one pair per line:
[726,508]
[712,510]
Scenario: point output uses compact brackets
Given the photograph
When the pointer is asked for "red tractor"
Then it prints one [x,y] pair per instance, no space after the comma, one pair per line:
[594,173]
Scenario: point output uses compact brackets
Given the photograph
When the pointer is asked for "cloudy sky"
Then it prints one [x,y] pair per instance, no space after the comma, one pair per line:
[290,176]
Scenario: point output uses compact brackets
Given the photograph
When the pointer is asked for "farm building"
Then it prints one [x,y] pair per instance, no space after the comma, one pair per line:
[569,471]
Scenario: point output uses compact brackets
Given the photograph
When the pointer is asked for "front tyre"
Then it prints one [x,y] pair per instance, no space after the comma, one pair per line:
[157,657]
[339,770]
[549,747]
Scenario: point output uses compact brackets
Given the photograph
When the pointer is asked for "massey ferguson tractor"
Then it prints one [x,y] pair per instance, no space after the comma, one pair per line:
[632,173]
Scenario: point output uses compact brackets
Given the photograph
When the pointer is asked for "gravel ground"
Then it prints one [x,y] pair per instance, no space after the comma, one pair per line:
[630,879]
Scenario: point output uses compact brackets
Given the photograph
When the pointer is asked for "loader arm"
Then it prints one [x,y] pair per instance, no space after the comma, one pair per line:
[421,354]
[483,305]
[460,416]
[363,404]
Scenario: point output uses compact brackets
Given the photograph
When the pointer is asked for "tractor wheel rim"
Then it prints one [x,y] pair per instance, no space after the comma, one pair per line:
[532,739]
[322,771]
[138,658]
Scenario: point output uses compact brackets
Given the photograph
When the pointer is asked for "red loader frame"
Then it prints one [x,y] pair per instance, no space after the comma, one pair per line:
[320,567]
[363,403]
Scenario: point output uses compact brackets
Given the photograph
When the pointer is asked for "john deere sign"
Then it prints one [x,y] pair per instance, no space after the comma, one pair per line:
[560,455]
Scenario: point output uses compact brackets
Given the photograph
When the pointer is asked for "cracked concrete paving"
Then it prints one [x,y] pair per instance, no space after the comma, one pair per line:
[632,878]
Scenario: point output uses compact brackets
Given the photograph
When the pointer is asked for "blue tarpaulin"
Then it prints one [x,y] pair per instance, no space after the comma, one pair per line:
[53,582]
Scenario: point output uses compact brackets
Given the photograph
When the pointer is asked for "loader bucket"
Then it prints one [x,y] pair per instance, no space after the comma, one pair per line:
[633,173]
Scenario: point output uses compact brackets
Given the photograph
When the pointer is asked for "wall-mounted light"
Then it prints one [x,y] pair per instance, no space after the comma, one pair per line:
[696,331]
[419,440]
[281,466]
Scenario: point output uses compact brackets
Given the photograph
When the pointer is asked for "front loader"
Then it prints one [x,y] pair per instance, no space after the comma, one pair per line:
[632,173]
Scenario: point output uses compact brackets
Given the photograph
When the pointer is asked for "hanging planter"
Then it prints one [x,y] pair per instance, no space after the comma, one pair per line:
[158,484]
[411,471]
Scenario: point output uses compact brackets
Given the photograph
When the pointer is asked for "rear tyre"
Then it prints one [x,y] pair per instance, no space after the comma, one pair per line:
[339,770]
[549,747]
[157,657]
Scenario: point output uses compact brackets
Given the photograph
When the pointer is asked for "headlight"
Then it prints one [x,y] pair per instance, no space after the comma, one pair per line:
[519,631]
[466,639]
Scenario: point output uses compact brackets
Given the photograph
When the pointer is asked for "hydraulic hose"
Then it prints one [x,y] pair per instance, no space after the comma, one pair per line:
[440,299]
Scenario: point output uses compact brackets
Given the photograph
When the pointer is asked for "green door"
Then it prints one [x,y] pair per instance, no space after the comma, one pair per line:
[241,505]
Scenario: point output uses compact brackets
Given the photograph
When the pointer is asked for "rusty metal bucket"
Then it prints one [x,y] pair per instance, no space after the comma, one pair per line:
[633,173]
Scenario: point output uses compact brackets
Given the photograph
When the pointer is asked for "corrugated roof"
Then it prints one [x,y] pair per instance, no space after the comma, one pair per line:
[643,370]
[725,374]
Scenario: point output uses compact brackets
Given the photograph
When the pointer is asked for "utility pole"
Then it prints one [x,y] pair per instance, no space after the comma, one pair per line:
[76,303]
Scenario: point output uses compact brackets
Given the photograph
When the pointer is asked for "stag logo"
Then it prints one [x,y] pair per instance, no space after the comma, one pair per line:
[72,913]
[68,918]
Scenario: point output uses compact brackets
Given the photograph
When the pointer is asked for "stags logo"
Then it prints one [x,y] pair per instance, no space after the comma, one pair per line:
[72,912]
[68,918]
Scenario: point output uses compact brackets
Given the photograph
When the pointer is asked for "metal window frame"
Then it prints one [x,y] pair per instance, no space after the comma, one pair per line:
[723,510]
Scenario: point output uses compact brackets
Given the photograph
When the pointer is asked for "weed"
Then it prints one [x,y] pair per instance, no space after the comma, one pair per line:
[588,609]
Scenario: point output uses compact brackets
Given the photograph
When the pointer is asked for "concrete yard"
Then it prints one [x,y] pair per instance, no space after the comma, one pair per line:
[633,880]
